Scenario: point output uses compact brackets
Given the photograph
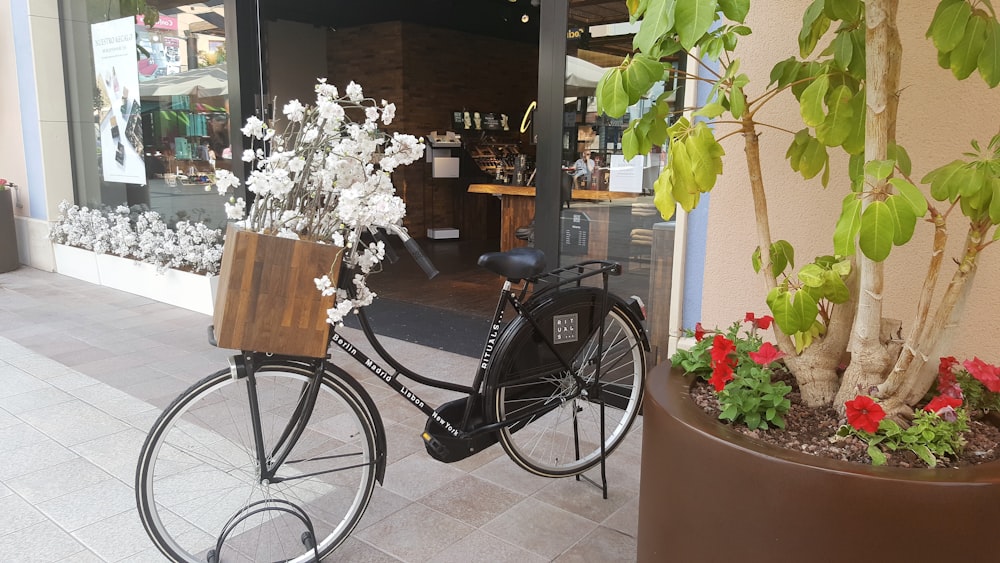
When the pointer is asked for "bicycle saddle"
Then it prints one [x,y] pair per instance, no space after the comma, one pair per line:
[515,264]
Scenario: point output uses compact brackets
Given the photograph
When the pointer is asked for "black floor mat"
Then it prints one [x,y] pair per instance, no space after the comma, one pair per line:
[442,329]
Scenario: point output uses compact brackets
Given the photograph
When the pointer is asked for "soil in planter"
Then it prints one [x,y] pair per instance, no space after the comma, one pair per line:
[813,431]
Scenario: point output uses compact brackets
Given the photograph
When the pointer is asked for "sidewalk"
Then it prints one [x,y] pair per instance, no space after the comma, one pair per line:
[84,371]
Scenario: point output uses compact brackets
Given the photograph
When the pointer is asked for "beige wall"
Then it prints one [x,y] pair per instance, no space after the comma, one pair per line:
[938,116]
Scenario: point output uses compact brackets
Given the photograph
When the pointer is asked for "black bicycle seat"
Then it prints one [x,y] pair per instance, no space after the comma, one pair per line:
[515,264]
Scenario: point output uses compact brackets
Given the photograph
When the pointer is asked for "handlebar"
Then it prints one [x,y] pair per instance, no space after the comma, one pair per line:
[415,250]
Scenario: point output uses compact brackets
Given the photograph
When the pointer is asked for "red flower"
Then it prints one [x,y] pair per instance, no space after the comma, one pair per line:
[699,332]
[749,318]
[946,364]
[721,348]
[764,322]
[767,354]
[947,385]
[863,413]
[722,373]
[941,401]
[987,374]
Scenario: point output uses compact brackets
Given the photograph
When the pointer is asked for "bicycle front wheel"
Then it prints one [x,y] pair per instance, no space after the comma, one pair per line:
[199,478]
[557,417]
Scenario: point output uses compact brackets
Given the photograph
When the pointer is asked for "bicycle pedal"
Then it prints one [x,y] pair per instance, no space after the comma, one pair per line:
[435,447]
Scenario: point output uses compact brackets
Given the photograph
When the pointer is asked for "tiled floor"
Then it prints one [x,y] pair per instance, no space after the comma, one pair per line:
[84,371]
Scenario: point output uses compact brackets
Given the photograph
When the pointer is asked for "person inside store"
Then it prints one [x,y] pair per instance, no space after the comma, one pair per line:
[583,171]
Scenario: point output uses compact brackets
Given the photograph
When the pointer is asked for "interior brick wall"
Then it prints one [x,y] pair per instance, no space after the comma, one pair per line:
[429,73]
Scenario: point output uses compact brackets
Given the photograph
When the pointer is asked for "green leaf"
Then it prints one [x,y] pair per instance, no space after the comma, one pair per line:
[965,56]
[630,145]
[902,158]
[814,25]
[658,132]
[611,93]
[834,289]
[943,178]
[904,220]
[845,10]
[685,186]
[640,75]
[995,202]
[838,123]
[855,143]
[843,50]
[693,19]
[812,275]
[663,198]
[878,458]
[779,300]
[949,29]
[737,102]
[937,15]
[735,10]
[805,310]
[814,159]
[711,110]
[782,254]
[657,22]
[811,101]
[911,194]
[924,454]
[879,169]
[876,234]
[989,58]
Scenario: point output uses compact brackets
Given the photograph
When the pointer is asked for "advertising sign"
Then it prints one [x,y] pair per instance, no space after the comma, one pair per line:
[119,115]
[626,175]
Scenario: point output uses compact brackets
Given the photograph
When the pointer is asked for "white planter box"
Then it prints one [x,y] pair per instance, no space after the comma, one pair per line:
[195,292]
[76,263]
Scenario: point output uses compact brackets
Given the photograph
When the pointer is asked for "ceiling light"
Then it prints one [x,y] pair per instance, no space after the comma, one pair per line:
[525,18]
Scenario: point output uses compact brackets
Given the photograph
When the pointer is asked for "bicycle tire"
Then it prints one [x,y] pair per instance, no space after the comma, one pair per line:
[563,439]
[198,469]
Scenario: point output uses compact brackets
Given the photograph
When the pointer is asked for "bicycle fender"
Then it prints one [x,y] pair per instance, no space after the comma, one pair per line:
[376,418]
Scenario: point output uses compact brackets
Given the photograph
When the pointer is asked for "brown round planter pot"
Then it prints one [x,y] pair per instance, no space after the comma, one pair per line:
[709,494]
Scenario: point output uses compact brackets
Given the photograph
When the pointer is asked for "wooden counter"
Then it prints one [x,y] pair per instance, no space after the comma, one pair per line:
[517,207]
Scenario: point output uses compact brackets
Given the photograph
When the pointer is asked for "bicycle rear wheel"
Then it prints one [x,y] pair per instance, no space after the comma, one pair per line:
[560,411]
[198,473]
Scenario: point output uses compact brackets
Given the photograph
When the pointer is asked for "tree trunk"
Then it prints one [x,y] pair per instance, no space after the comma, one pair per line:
[869,358]
[815,369]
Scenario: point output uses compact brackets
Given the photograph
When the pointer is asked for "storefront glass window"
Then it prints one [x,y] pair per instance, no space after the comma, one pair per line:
[149,107]
[608,210]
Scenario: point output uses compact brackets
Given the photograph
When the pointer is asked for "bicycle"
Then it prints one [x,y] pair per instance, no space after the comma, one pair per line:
[277,457]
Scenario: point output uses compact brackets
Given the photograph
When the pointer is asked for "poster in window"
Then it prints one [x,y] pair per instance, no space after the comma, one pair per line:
[119,114]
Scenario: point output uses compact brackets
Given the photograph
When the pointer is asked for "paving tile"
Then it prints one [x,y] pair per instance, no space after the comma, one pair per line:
[583,498]
[383,503]
[17,514]
[57,480]
[416,475]
[472,500]
[504,472]
[36,399]
[415,533]
[116,453]
[602,544]
[73,422]
[539,527]
[18,435]
[625,519]
[479,546]
[35,457]
[358,551]
[7,418]
[116,538]
[41,542]
[89,504]
[16,381]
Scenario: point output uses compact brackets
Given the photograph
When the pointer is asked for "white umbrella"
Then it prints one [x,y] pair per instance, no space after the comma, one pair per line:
[581,77]
[202,82]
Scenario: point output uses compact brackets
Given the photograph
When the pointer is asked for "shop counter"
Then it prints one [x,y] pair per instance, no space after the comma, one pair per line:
[517,207]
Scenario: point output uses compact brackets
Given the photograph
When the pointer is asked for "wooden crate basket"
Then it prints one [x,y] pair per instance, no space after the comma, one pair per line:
[267,300]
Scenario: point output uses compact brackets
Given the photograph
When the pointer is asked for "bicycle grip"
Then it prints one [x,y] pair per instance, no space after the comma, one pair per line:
[390,252]
[421,258]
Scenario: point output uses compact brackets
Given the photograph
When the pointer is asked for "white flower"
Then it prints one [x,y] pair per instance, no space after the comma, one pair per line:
[354,92]
[294,110]
[371,113]
[248,155]
[235,209]
[388,112]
